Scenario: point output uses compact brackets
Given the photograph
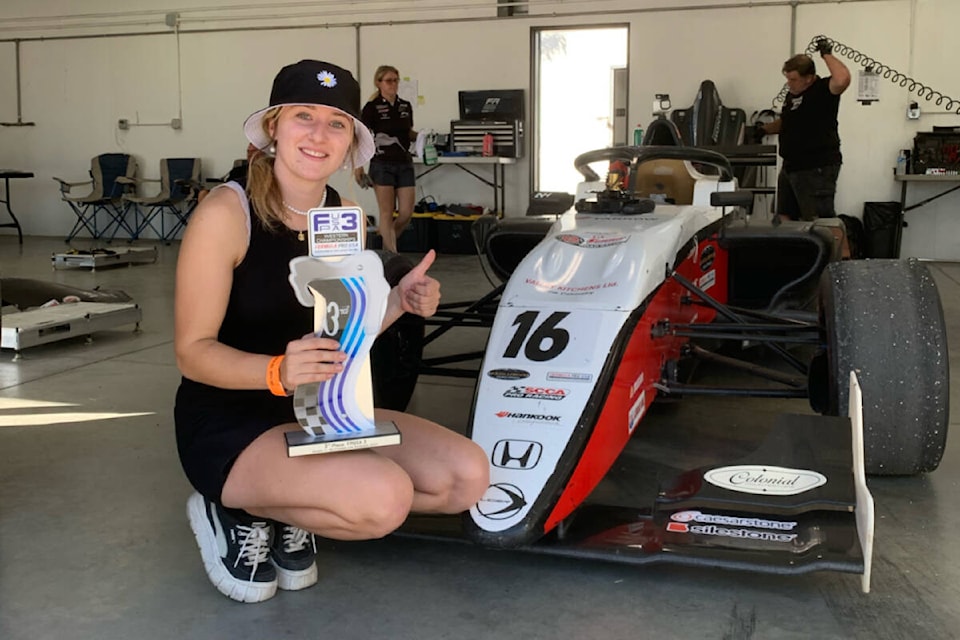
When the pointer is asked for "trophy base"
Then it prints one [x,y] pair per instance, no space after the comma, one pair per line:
[301,443]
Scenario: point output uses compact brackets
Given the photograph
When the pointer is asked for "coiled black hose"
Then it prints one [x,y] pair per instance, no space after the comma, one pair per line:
[889,73]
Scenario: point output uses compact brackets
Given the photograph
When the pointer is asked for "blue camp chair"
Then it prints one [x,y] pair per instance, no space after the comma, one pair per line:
[179,184]
[105,197]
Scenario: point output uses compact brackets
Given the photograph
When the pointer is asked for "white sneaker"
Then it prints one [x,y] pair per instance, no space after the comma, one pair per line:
[234,551]
[293,552]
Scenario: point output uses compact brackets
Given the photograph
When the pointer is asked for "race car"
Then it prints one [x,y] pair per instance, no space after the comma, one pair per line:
[602,314]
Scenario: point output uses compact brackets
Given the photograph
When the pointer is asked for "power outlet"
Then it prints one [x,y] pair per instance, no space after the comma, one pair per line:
[913,110]
[123,123]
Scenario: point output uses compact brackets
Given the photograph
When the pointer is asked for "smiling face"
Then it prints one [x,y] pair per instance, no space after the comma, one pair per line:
[312,141]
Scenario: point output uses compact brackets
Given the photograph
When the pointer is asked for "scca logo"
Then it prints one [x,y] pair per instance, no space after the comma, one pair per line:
[535,393]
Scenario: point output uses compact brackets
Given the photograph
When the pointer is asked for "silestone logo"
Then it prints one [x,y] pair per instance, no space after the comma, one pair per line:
[724,532]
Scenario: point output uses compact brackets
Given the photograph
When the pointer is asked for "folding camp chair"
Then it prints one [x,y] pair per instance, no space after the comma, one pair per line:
[105,197]
[179,184]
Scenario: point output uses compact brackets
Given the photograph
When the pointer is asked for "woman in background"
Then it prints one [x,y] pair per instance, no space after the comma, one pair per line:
[390,118]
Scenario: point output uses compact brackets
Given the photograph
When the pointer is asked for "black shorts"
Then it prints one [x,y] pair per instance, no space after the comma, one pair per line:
[215,425]
[807,194]
[392,174]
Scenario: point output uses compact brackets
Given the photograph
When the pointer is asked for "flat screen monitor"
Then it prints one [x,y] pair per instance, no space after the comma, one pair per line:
[492,104]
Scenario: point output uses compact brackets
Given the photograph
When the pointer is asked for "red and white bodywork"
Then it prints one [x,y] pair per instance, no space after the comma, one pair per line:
[572,361]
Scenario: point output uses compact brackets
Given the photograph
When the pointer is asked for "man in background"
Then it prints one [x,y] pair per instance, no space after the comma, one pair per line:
[809,137]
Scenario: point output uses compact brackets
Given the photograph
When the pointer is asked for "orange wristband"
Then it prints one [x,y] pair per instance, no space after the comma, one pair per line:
[273,377]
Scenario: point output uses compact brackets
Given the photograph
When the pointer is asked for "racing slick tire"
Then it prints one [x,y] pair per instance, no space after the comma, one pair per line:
[883,320]
[395,356]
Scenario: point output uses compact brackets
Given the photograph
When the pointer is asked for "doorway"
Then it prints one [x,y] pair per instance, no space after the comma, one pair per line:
[579,99]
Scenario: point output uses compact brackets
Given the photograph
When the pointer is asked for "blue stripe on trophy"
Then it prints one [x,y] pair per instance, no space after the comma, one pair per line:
[353,334]
[331,401]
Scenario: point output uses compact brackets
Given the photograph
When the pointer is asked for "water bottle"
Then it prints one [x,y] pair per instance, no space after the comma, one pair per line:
[638,136]
[901,164]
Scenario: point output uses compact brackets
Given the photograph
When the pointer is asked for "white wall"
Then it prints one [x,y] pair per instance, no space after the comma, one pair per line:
[76,89]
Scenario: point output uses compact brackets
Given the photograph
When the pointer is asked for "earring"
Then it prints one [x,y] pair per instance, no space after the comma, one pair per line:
[272,149]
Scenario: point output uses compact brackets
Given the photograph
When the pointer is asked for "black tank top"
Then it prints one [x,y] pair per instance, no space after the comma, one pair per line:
[263,313]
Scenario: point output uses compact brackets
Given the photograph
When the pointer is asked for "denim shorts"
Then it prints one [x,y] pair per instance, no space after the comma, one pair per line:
[392,174]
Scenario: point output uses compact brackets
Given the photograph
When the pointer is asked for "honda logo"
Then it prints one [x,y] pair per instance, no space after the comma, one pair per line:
[516,454]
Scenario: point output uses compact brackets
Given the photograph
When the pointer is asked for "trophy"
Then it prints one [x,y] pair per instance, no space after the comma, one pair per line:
[345,286]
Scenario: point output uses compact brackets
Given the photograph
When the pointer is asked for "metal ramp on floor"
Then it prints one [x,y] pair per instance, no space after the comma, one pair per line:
[24,329]
[99,258]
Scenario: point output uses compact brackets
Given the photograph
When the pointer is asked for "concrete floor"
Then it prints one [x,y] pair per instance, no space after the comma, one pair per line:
[94,542]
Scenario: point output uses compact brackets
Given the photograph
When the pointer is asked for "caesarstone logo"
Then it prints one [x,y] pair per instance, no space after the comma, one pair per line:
[734,521]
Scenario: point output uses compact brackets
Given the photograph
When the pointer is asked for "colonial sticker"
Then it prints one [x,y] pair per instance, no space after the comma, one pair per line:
[767,480]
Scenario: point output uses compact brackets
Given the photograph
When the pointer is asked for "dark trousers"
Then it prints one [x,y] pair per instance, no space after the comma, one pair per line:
[807,194]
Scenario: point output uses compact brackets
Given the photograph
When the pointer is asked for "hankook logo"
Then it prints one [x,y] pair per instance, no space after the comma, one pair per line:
[527,417]
[516,454]
[760,479]
[501,501]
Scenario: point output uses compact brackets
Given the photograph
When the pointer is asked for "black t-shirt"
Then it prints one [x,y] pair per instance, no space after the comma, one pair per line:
[391,125]
[808,133]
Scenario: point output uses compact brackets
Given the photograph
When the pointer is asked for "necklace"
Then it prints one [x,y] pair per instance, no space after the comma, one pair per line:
[301,212]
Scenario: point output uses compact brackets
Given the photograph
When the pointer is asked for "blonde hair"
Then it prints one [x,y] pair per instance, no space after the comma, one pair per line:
[262,187]
[381,71]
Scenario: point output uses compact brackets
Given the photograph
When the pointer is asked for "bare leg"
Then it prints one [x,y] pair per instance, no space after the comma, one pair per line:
[405,198]
[386,201]
[359,494]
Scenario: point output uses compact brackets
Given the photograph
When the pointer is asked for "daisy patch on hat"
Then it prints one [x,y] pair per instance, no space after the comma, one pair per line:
[327,79]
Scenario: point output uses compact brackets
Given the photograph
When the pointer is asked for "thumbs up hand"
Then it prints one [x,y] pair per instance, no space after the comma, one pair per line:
[419,293]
